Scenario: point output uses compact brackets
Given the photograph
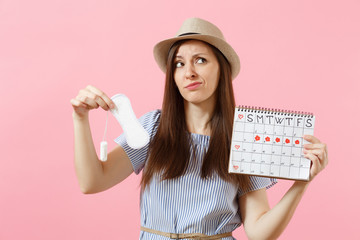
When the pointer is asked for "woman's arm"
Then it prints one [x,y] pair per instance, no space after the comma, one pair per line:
[94,175]
[261,222]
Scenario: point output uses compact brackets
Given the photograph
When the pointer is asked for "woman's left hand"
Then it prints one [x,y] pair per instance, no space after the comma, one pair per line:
[316,151]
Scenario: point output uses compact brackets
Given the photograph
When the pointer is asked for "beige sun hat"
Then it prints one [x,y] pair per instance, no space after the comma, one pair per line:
[198,29]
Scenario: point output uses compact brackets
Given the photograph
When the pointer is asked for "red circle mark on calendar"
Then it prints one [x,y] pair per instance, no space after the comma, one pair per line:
[287,140]
[237,146]
[297,142]
[277,139]
[257,138]
[240,116]
[235,167]
[267,139]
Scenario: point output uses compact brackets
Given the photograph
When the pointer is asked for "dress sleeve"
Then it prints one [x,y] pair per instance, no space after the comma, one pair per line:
[138,156]
[257,183]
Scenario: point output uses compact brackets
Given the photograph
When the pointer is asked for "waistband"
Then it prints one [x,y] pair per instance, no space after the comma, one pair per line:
[199,236]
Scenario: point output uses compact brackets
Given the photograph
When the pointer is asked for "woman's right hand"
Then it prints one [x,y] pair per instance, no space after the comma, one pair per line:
[90,98]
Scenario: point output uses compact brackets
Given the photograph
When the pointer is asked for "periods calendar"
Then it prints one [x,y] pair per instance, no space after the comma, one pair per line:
[268,143]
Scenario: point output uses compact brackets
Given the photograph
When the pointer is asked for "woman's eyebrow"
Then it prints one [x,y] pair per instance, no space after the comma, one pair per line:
[199,54]
[195,55]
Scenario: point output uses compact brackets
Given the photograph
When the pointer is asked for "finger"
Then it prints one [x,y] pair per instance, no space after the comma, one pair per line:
[317,152]
[315,166]
[315,146]
[100,102]
[311,138]
[76,103]
[92,93]
[87,98]
[105,102]
[314,151]
[318,147]
[326,159]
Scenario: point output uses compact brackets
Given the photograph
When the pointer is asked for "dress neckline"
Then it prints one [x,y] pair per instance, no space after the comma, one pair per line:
[200,139]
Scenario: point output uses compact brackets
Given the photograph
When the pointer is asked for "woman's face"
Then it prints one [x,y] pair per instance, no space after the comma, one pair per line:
[196,72]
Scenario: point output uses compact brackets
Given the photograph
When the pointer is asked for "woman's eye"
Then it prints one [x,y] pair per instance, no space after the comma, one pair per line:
[179,64]
[201,60]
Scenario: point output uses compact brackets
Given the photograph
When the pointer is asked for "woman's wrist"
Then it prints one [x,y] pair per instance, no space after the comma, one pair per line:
[301,185]
[80,118]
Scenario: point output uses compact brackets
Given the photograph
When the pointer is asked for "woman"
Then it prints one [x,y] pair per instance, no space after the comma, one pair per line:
[186,190]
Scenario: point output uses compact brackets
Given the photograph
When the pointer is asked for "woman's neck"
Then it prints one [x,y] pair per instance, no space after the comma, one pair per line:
[198,117]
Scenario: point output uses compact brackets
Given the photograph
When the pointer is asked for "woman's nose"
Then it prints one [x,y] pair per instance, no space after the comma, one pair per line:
[190,71]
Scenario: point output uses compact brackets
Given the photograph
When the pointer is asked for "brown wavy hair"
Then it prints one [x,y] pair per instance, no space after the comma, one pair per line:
[169,151]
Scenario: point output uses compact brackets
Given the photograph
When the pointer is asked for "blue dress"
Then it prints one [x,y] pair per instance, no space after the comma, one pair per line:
[187,204]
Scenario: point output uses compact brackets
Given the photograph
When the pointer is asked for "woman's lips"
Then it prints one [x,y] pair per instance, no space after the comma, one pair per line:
[193,86]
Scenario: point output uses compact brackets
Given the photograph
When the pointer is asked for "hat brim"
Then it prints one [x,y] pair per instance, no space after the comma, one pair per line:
[161,51]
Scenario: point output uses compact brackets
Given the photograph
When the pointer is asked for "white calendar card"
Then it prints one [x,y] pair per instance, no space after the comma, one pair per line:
[269,143]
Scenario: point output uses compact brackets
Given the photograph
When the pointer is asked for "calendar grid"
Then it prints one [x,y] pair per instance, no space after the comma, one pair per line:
[269,143]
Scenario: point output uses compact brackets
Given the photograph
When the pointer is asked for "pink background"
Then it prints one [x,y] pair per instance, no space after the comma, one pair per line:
[300,55]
